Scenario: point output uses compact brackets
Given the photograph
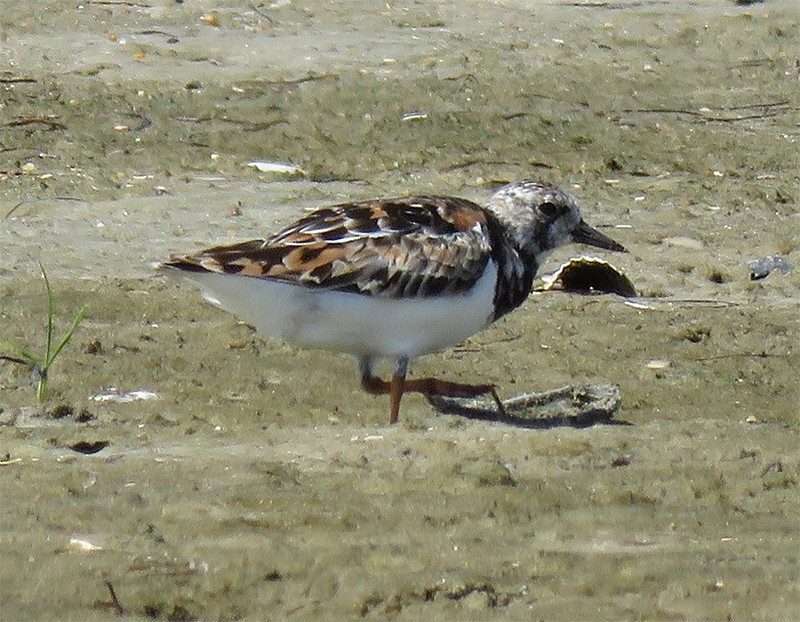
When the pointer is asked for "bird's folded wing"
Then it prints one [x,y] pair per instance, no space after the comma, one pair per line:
[397,248]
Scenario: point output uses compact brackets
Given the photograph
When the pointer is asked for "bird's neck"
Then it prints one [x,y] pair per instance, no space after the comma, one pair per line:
[516,269]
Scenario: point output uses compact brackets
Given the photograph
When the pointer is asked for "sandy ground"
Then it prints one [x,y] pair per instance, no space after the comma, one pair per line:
[259,482]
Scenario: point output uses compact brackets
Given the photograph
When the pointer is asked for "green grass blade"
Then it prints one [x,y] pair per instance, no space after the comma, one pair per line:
[28,356]
[49,342]
[40,366]
[41,388]
[65,339]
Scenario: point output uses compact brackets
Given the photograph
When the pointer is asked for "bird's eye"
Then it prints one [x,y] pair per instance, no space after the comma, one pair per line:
[549,209]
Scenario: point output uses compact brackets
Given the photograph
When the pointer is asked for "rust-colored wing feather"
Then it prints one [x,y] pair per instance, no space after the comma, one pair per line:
[395,248]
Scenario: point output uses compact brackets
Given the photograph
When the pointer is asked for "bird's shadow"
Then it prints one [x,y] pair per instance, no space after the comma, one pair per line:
[577,406]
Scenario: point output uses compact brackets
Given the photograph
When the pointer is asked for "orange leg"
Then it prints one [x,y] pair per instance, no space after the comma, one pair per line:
[426,386]
[376,386]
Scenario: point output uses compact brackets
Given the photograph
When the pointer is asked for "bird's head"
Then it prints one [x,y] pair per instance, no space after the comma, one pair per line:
[540,217]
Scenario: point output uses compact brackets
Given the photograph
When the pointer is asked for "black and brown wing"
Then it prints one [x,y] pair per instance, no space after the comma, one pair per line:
[395,248]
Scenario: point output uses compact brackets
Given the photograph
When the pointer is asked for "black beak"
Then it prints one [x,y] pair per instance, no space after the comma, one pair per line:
[584,234]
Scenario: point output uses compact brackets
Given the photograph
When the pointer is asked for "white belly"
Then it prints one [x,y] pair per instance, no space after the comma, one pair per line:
[353,323]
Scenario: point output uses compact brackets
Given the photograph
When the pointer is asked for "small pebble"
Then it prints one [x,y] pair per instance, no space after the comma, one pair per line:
[83,546]
[276,167]
[683,242]
[760,268]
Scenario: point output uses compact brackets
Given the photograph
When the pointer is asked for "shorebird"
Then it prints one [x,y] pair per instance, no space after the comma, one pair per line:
[394,278]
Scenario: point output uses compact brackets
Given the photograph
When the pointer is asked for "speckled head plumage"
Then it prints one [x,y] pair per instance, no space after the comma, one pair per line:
[539,217]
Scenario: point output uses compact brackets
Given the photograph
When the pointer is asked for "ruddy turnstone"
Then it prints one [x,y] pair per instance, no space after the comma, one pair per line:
[394,278]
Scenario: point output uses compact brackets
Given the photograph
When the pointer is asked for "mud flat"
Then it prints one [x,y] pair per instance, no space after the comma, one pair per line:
[243,479]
